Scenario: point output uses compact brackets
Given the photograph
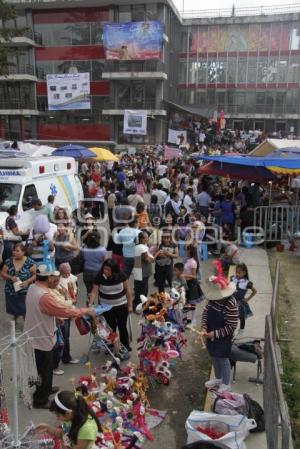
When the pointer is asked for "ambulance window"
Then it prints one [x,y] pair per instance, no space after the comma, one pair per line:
[29,194]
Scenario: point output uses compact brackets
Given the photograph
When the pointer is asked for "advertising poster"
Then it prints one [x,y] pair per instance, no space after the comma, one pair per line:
[133,40]
[68,91]
[174,134]
[135,122]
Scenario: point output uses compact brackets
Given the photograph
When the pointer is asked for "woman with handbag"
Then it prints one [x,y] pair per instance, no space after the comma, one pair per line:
[112,288]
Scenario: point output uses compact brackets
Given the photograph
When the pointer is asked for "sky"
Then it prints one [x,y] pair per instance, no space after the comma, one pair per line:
[198,5]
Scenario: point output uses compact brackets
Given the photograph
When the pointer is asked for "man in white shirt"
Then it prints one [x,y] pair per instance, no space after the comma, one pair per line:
[203,201]
[161,169]
[161,195]
[188,202]
[166,183]
[142,268]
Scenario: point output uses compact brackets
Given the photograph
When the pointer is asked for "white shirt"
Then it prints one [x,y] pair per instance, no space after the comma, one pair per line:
[161,196]
[165,182]
[187,203]
[138,269]
[161,169]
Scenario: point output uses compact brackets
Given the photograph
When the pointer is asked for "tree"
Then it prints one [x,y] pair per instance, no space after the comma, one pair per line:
[7,32]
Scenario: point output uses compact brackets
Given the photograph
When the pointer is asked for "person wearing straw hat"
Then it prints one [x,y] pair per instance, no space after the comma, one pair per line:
[219,321]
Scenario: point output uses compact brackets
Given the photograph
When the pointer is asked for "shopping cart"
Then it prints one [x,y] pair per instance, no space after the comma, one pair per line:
[101,336]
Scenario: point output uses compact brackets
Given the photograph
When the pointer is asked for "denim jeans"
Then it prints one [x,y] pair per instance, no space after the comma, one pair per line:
[222,369]
[128,263]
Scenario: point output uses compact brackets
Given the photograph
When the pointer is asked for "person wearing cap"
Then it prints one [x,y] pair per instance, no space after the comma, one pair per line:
[219,321]
[42,309]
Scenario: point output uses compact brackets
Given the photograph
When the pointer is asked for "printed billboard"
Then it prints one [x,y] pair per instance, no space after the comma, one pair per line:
[135,122]
[133,40]
[252,37]
[68,91]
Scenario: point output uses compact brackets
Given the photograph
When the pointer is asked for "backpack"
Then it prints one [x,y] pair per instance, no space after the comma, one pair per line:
[239,404]
[255,411]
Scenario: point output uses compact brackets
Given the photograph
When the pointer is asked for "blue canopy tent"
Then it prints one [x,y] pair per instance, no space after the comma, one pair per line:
[278,165]
[232,171]
[75,151]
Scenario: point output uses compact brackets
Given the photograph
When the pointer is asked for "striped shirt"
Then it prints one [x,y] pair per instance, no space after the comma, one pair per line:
[111,291]
[230,310]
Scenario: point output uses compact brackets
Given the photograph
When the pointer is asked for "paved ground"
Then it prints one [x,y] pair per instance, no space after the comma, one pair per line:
[186,390]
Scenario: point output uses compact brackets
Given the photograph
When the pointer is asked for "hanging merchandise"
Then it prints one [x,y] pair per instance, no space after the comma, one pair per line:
[3,408]
[27,372]
[162,335]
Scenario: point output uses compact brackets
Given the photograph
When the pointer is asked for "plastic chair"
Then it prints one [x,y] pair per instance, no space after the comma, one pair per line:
[203,252]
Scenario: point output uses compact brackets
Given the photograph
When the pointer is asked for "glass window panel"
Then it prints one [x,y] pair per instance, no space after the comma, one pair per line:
[212,71]
[81,33]
[260,102]
[294,70]
[292,101]
[282,71]
[211,97]
[138,13]
[125,13]
[280,102]
[62,34]
[123,94]
[250,102]
[221,71]
[192,72]
[242,70]
[182,71]
[138,93]
[295,37]
[151,12]
[252,67]
[202,71]
[232,65]
[150,90]
[184,37]
[97,69]
[270,101]
[96,33]
[46,32]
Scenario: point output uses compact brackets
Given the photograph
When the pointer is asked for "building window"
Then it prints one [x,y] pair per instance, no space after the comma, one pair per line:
[282,71]
[138,13]
[242,70]
[151,12]
[125,13]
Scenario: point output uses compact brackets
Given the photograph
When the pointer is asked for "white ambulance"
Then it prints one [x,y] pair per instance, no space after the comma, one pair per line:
[23,179]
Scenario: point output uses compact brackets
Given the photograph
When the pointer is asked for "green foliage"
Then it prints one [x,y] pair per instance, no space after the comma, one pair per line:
[291,388]
[7,13]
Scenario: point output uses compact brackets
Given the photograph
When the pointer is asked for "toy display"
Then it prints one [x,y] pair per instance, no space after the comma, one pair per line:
[162,334]
[118,396]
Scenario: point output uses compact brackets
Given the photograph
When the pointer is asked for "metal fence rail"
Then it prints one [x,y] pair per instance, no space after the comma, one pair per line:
[278,428]
[243,11]
[278,222]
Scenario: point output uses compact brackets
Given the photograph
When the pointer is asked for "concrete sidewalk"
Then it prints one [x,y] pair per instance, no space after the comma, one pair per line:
[257,262]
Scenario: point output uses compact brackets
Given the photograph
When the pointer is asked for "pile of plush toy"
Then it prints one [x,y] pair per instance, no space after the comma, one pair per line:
[118,396]
[162,333]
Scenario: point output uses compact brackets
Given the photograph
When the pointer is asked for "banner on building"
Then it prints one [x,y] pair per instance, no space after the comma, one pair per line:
[133,40]
[135,122]
[68,91]
[174,136]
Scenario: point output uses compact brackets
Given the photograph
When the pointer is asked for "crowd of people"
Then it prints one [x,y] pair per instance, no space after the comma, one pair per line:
[141,217]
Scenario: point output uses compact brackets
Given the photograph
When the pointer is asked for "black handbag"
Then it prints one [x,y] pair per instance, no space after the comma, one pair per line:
[77,264]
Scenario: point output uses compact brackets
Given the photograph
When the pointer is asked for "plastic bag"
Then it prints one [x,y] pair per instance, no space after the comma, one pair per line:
[255,411]
[236,428]
[228,403]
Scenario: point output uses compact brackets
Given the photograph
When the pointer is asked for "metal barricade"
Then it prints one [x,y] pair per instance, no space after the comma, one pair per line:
[277,421]
[278,222]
